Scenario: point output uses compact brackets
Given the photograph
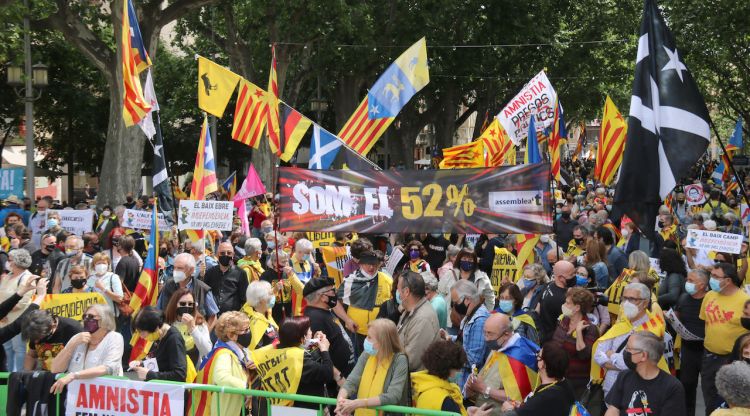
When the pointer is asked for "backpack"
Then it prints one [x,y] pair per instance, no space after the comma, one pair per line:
[716,211]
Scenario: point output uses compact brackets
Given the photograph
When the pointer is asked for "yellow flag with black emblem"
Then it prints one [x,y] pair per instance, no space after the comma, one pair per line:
[216,85]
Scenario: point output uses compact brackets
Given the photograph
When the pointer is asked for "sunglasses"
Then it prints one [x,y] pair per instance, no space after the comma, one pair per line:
[186,304]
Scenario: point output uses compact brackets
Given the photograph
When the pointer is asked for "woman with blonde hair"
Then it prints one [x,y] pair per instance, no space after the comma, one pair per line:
[381,375]
[224,366]
[637,262]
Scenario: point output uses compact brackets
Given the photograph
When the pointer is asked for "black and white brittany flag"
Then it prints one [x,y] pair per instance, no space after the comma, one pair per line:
[160,175]
[668,128]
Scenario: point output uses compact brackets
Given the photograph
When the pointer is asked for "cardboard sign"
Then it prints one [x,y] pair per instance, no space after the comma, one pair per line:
[71,305]
[504,268]
[714,241]
[536,98]
[76,221]
[393,259]
[117,397]
[205,215]
[141,220]
[694,194]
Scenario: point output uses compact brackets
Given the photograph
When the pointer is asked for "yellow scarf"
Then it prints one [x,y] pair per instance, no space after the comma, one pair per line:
[374,375]
[654,324]
[259,323]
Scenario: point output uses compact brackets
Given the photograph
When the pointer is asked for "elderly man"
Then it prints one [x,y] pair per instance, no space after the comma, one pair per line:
[691,354]
[251,262]
[553,296]
[182,278]
[609,348]
[645,389]
[733,383]
[228,283]
[202,261]
[320,295]
[46,258]
[418,326]
[74,257]
[467,302]
[577,246]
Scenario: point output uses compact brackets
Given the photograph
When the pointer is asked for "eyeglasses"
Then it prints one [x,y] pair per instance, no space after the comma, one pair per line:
[90,317]
[186,304]
[633,350]
[629,299]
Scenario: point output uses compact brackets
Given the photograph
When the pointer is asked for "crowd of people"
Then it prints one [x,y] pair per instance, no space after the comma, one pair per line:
[602,318]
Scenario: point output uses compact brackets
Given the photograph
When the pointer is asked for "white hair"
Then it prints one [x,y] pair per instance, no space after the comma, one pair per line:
[257,292]
[733,383]
[709,225]
[253,245]
[303,245]
[283,258]
[199,245]
[466,290]
[430,281]
[642,289]
[188,258]
[106,316]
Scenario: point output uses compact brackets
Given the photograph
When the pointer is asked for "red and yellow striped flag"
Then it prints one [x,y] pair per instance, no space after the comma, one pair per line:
[273,107]
[147,289]
[555,141]
[361,132]
[469,155]
[611,143]
[497,143]
[204,174]
[134,60]
[250,114]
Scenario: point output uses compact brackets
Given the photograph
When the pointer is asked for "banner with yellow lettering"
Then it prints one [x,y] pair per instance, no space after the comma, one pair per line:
[335,258]
[320,239]
[279,370]
[71,305]
[504,268]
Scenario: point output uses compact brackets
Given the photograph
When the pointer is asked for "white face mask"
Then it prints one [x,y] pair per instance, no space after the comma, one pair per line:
[629,309]
[178,276]
[106,214]
[566,310]
[100,269]
[544,238]
[625,232]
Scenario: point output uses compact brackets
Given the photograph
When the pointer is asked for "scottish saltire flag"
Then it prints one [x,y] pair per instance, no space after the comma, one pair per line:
[735,142]
[230,185]
[532,146]
[324,148]
[147,289]
[668,128]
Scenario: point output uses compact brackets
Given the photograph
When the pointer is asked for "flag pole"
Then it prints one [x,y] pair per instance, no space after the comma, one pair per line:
[731,163]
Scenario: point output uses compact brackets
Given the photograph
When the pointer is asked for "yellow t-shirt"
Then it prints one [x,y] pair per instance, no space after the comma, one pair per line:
[722,316]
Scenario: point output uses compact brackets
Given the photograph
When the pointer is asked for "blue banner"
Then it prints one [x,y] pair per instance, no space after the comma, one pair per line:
[11,182]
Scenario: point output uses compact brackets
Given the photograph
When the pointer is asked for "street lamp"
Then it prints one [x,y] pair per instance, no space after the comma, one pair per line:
[318,104]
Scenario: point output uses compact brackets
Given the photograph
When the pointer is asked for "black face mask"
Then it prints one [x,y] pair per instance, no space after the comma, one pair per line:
[745,322]
[661,224]
[163,252]
[578,241]
[461,308]
[225,260]
[565,215]
[78,283]
[51,247]
[184,309]
[244,339]
[129,199]
[628,358]
[570,282]
[333,300]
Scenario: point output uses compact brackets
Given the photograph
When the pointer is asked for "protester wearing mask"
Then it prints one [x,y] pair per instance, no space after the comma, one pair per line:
[418,325]
[305,268]
[577,246]
[576,335]
[306,357]
[182,278]
[645,385]
[381,376]
[129,266]
[691,354]
[357,247]
[47,335]
[542,247]
[436,245]
[466,268]
[438,302]
[553,296]
[415,254]
[168,348]
[725,299]
[95,352]
[465,300]
[91,244]
[74,257]
[608,349]
[487,387]
[181,313]
[17,275]
[263,329]
[436,387]
[320,295]
[53,224]
[78,280]
[564,227]
[44,261]
[532,282]
[509,303]
[227,282]
[278,275]
[203,262]
[251,262]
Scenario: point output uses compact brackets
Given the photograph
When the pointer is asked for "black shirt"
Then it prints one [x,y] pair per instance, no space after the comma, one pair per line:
[550,308]
[436,247]
[46,350]
[317,372]
[129,270]
[564,232]
[549,400]
[170,356]
[38,259]
[689,308]
[227,287]
[342,351]
[632,395]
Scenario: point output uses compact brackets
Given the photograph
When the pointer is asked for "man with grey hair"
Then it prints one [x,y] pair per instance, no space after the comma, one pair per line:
[438,302]
[733,383]
[202,262]
[47,335]
[645,389]
[467,302]
[74,257]
[418,325]
[182,278]
[228,283]
[691,355]
[251,262]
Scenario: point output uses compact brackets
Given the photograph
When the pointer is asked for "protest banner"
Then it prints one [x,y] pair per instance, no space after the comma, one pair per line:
[141,220]
[71,305]
[537,98]
[11,182]
[205,215]
[393,260]
[335,258]
[679,327]
[120,397]
[714,241]
[76,221]
[694,194]
[320,239]
[744,213]
[509,199]
[504,268]
[279,370]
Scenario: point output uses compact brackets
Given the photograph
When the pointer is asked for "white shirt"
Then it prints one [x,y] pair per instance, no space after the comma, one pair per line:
[108,353]
[612,344]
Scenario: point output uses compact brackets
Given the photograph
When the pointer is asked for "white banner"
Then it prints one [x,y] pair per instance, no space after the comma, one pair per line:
[205,215]
[76,221]
[686,335]
[393,260]
[714,241]
[117,397]
[141,220]
[694,194]
[536,98]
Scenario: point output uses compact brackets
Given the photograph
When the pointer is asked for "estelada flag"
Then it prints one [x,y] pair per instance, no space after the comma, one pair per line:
[134,60]
[273,107]
[611,143]
[517,365]
[497,143]
[525,248]
[469,155]
[147,289]
[250,114]
[215,86]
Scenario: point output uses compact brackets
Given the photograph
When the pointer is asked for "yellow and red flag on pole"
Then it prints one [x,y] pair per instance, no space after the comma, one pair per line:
[611,143]
[558,128]
[525,244]
[273,107]
[134,61]
[497,143]
[250,114]
[469,155]
[147,289]
[581,141]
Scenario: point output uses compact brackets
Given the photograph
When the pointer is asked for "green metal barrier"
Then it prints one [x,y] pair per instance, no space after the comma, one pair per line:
[320,401]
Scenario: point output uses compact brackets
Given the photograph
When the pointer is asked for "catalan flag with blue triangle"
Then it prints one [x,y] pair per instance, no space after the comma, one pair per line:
[230,185]
[517,364]
[532,145]
[147,289]
[134,60]
[735,142]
